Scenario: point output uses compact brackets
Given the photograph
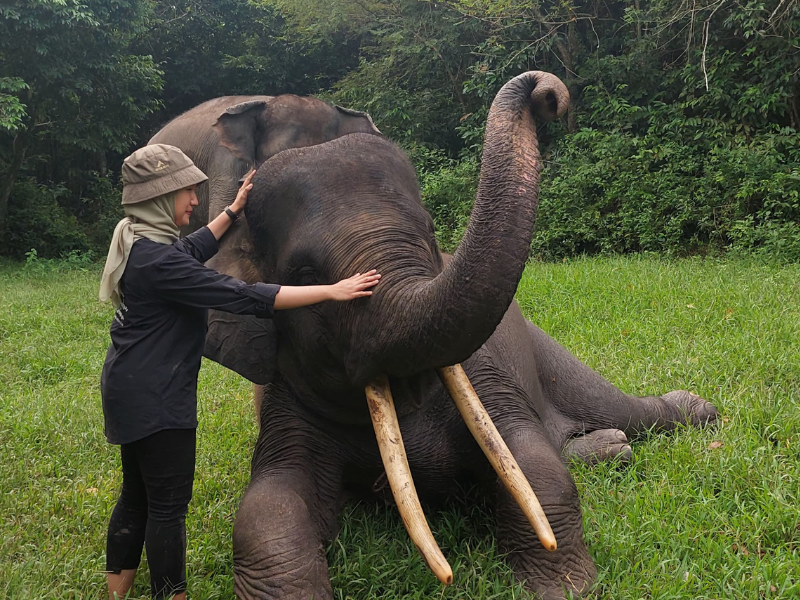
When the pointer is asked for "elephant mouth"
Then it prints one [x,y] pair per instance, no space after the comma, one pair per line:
[398,473]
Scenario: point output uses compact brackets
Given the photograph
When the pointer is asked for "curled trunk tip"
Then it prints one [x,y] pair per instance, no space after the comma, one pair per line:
[550,97]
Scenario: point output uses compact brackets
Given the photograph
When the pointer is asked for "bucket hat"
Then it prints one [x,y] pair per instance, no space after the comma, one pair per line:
[155,170]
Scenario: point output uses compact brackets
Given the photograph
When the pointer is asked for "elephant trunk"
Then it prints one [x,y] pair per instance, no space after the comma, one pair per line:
[444,320]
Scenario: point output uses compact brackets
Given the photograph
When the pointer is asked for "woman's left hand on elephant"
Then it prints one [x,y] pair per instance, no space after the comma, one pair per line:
[241,196]
[355,286]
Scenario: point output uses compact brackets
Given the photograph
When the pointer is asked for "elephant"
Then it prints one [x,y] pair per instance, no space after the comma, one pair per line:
[226,137]
[433,382]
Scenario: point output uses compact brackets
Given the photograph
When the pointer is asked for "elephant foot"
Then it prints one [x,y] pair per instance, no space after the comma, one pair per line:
[599,446]
[569,571]
[695,410]
[277,551]
[572,585]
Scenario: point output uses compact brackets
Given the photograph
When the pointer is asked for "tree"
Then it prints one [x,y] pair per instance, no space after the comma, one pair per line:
[211,48]
[69,81]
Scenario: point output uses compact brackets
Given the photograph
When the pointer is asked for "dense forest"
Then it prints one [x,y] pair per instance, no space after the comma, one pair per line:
[682,135]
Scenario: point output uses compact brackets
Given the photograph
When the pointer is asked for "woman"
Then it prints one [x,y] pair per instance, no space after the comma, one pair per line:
[161,291]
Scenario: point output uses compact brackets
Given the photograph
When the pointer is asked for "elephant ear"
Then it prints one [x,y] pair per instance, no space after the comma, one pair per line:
[367,125]
[240,127]
[242,343]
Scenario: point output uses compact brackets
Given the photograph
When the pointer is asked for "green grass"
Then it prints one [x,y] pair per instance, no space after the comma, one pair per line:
[684,521]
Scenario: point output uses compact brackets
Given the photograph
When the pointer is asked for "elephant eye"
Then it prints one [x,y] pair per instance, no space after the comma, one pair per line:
[304,276]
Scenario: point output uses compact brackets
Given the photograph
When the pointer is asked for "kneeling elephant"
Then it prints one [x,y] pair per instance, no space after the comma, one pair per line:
[362,389]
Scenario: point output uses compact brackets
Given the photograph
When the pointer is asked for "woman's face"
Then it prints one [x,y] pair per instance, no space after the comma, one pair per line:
[185,201]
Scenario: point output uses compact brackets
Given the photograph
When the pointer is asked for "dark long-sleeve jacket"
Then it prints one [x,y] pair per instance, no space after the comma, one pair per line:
[149,379]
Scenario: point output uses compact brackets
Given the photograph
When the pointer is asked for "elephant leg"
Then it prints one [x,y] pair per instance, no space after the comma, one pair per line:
[599,446]
[287,514]
[550,574]
[590,402]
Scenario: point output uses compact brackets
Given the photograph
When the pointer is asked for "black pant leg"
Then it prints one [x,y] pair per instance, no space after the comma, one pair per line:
[126,529]
[167,461]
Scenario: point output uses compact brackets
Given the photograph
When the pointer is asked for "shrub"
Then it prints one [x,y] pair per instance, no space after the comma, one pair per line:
[37,221]
[612,192]
[58,224]
[100,211]
[448,190]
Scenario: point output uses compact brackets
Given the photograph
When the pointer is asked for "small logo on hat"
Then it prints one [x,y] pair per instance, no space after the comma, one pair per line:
[161,166]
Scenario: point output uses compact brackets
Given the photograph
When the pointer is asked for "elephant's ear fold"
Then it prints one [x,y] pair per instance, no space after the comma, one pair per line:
[356,121]
[243,343]
[240,127]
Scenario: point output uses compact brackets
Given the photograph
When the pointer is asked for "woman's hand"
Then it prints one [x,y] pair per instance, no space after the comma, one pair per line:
[221,224]
[355,286]
[241,197]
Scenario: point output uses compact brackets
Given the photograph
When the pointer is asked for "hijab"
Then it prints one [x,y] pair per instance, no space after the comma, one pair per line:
[153,219]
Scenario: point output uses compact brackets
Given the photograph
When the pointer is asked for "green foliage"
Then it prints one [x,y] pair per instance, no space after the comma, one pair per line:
[683,129]
[211,48]
[682,134]
[12,110]
[99,209]
[74,260]
[47,221]
[37,221]
[448,190]
[613,192]
[82,86]
[73,92]
[412,69]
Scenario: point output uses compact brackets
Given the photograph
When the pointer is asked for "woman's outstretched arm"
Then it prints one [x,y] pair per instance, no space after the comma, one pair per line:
[347,289]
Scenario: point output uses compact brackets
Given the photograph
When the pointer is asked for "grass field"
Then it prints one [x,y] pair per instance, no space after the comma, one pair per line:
[707,514]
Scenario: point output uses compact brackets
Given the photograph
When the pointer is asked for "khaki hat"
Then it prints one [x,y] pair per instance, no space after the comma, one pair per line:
[155,170]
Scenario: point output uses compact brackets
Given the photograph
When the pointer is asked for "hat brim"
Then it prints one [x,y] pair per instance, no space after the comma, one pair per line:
[147,190]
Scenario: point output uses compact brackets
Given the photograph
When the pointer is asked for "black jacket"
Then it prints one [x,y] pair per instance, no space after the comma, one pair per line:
[149,379]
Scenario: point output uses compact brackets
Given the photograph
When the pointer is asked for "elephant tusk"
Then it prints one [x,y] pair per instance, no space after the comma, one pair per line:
[393,453]
[485,433]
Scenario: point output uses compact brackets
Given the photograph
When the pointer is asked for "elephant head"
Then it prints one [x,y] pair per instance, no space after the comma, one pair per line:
[252,131]
[256,130]
[320,213]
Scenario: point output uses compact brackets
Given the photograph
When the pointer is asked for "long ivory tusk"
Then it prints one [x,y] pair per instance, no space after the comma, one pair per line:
[485,433]
[393,453]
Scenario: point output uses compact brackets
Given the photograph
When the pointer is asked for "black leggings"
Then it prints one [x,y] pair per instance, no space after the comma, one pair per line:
[157,477]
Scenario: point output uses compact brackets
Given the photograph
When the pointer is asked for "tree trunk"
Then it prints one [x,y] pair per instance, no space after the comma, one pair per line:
[572,83]
[567,54]
[19,147]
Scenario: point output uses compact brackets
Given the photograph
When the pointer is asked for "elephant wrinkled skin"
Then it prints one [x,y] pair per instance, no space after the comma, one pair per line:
[323,212]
